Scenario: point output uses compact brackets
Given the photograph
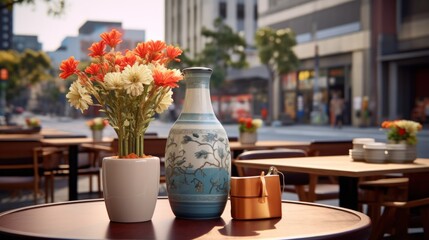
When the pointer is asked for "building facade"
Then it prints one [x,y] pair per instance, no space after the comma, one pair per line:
[22,42]
[89,33]
[184,21]
[6,30]
[374,54]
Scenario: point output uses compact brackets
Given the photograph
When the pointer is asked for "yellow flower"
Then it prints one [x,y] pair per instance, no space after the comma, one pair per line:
[135,77]
[165,102]
[257,123]
[113,80]
[79,96]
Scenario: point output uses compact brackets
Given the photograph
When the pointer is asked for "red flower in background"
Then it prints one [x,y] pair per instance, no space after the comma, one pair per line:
[111,38]
[68,67]
[166,78]
[97,49]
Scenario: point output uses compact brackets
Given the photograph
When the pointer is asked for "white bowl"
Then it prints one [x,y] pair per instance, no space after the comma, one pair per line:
[359,142]
[375,152]
[357,155]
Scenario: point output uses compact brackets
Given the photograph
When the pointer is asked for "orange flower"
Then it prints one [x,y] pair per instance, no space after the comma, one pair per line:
[97,49]
[173,53]
[96,70]
[156,46]
[93,69]
[111,38]
[166,78]
[142,49]
[129,58]
[68,67]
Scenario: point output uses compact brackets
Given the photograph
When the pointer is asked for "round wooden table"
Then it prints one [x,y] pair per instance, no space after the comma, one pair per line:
[87,219]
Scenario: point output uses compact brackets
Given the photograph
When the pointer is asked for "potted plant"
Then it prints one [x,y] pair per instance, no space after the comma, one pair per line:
[402,139]
[97,126]
[33,123]
[248,130]
[130,87]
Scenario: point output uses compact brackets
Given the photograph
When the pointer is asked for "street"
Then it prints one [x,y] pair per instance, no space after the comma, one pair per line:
[291,132]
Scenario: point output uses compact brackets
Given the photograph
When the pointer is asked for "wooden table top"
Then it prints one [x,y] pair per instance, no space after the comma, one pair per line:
[71,141]
[268,145]
[88,220]
[337,166]
[20,137]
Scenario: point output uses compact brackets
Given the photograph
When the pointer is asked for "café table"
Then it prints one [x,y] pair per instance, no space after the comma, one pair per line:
[55,133]
[73,149]
[237,147]
[88,219]
[347,170]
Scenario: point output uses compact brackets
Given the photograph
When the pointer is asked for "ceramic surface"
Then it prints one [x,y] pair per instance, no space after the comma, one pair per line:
[130,188]
[198,157]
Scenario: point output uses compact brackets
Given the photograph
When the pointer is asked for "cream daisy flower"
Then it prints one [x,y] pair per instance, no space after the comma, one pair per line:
[78,96]
[113,80]
[165,102]
[135,77]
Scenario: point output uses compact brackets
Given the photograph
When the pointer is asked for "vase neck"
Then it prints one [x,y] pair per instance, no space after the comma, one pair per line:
[197,98]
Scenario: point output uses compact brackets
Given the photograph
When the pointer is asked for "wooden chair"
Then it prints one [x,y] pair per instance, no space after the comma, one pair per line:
[299,181]
[87,166]
[326,148]
[399,215]
[374,192]
[22,162]
[329,147]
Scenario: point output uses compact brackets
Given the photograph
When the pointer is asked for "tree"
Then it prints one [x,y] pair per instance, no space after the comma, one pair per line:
[224,49]
[25,69]
[275,52]
[55,7]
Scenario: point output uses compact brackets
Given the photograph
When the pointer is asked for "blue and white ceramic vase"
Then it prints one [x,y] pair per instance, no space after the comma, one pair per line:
[198,157]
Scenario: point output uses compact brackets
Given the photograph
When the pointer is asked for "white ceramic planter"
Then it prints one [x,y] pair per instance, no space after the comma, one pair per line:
[130,188]
[97,135]
[248,138]
[401,153]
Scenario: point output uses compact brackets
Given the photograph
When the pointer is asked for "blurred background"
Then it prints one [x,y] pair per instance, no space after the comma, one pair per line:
[282,61]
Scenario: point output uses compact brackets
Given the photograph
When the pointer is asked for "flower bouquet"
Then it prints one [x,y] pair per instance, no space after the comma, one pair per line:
[402,135]
[97,124]
[247,128]
[130,88]
[32,122]
[402,131]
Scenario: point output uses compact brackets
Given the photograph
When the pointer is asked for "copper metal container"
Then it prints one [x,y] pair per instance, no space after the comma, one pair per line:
[256,197]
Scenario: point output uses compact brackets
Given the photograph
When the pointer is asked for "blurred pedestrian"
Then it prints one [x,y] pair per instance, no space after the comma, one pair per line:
[337,109]
[172,112]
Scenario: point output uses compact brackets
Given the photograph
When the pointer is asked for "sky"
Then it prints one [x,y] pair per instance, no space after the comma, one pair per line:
[145,15]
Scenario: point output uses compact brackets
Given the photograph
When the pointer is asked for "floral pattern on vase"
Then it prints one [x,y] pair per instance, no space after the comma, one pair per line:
[198,157]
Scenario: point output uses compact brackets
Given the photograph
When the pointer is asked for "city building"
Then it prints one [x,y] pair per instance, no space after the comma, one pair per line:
[374,54]
[184,21]
[22,42]
[89,33]
[6,30]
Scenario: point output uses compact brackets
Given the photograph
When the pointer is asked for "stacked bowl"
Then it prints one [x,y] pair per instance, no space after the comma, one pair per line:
[358,152]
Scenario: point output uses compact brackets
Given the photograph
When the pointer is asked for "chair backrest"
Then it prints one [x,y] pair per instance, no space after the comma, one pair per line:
[16,157]
[329,147]
[290,178]
[417,186]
